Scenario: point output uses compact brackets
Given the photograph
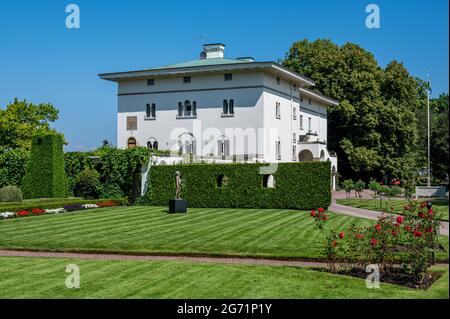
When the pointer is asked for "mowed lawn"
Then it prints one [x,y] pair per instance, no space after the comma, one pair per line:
[27,277]
[440,205]
[244,232]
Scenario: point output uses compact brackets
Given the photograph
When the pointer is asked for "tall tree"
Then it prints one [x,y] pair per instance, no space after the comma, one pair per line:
[373,129]
[21,120]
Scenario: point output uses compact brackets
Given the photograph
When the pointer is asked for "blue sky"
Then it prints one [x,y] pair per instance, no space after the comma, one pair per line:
[43,61]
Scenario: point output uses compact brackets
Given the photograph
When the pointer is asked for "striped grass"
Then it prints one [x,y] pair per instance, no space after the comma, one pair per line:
[439,205]
[142,229]
[27,277]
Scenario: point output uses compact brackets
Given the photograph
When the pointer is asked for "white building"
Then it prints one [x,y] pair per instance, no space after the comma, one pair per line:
[223,109]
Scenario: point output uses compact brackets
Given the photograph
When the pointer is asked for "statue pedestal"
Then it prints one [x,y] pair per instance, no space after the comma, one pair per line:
[177,206]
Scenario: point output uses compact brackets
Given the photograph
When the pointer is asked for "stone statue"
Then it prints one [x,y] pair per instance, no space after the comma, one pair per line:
[177,184]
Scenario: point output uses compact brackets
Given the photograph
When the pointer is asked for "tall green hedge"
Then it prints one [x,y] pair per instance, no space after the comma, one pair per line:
[45,175]
[298,186]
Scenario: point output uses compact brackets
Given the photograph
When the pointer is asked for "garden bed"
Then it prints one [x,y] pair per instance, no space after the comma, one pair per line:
[396,277]
[35,210]
[52,203]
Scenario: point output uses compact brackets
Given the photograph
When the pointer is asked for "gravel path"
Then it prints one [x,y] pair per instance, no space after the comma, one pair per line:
[216,260]
[369,214]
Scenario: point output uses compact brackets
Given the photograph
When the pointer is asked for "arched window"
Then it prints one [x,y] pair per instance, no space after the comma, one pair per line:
[225,107]
[180,109]
[231,107]
[148,112]
[223,147]
[155,145]
[268,181]
[305,156]
[222,181]
[187,144]
[132,142]
[194,108]
[149,145]
[153,110]
[187,108]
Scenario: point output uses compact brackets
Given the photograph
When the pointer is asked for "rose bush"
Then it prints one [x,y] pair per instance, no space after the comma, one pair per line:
[409,240]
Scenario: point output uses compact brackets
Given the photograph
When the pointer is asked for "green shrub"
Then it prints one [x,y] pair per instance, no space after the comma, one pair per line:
[394,191]
[10,194]
[111,191]
[373,186]
[348,185]
[298,185]
[87,184]
[45,175]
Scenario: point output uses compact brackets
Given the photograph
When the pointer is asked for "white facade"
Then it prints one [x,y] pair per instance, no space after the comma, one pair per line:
[269,115]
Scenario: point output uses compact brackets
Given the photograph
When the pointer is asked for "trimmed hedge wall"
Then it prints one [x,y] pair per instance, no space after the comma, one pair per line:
[45,175]
[298,186]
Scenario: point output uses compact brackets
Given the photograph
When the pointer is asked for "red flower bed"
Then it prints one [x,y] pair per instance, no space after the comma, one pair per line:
[108,204]
[23,213]
[37,211]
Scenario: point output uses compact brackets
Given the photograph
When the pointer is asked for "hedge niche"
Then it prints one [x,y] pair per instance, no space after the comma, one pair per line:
[45,176]
[295,185]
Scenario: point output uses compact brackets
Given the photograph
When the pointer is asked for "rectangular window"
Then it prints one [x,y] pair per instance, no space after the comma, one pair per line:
[186,79]
[301,122]
[131,123]
[294,113]
[278,150]
[228,76]
[294,138]
[309,124]
[151,82]
[277,110]
[278,80]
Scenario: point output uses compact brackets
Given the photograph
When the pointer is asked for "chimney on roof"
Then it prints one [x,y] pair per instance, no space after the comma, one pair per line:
[213,51]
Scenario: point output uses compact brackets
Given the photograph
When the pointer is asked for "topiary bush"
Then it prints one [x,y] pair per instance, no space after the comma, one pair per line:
[45,175]
[10,194]
[87,184]
[298,185]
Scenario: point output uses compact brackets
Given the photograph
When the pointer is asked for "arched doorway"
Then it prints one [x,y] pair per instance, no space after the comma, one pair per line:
[305,156]
[131,142]
[187,144]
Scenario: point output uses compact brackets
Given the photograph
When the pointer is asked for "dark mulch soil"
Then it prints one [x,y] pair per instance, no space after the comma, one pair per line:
[394,276]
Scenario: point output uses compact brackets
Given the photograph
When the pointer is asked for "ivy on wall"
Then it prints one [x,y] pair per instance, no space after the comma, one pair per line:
[118,168]
[297,185]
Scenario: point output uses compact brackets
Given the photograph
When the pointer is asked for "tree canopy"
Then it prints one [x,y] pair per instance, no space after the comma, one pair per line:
[21,120]
[374,128]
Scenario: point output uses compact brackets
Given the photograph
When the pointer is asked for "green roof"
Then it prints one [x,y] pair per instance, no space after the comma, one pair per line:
[201,62]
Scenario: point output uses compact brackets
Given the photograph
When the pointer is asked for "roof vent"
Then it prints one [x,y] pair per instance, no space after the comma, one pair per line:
[246,59]
[213,51]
